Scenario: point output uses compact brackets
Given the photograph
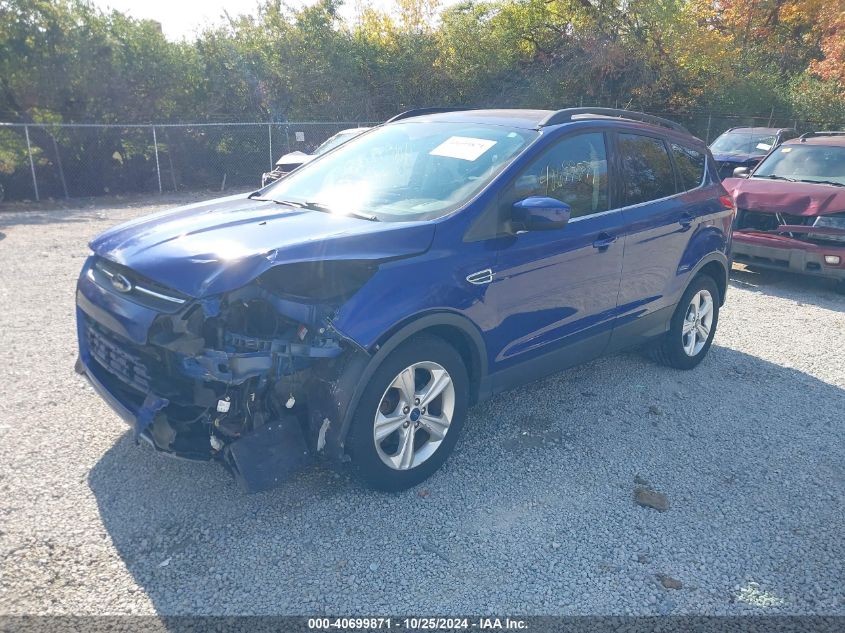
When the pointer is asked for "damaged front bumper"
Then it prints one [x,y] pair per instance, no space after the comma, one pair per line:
[256,381]
[788,252]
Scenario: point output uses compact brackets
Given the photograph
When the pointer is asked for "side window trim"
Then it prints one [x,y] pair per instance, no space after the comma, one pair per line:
[597,214]
[615,170]
[676,171]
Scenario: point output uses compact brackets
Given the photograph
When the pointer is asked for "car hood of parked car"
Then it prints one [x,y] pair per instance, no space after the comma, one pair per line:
[738,157]
[782,196]
[216,246]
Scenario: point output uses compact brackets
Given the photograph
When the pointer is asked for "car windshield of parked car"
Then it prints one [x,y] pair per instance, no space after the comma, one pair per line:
[412,170]
[337,139]
[806,163]
[743,143]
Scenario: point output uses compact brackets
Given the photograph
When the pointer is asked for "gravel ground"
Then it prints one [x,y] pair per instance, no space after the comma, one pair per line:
[533,514]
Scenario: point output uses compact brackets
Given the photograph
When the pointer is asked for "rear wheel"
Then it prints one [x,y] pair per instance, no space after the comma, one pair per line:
[410,415]
[693,326]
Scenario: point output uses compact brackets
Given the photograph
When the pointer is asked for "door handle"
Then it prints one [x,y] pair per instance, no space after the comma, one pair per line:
[604,241]
[686,220]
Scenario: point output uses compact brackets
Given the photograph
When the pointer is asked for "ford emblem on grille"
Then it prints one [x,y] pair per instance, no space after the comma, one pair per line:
[121,283]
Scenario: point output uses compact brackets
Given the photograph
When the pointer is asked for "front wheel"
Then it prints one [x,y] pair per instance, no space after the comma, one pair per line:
[410,414]
[693,326]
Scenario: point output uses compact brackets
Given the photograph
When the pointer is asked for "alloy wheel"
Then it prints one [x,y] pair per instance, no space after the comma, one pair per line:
[414,415]
[697,323]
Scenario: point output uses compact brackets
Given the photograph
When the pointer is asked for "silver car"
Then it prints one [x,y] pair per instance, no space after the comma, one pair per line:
[288,162]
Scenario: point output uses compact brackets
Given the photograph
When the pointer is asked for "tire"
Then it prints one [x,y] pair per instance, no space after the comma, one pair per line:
[385,464]
[674,348]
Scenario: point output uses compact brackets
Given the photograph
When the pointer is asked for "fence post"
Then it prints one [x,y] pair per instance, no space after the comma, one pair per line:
[31,163]
[270,136]
[170,159]
[707,134]
[158,167]
[59,163]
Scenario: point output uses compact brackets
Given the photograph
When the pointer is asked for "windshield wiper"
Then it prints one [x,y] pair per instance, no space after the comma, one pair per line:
[773,177]
[319,206]
[315,206]
[287,203]
[825,182]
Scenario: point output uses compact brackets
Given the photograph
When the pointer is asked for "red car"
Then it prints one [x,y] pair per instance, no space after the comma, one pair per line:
[791,208]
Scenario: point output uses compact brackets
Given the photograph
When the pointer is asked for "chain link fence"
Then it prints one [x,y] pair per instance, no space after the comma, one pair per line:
[38,162]
[78,160]
[709,126]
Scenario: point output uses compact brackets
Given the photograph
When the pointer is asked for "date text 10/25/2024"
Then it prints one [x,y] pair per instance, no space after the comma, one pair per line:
[422,623]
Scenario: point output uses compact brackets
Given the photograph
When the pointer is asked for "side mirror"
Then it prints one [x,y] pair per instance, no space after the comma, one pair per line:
[540,214]
[741,172]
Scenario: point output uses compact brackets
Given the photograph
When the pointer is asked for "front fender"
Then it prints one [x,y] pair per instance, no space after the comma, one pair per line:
[336,389]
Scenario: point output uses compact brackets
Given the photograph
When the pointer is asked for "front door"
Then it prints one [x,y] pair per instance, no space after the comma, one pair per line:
[555,290]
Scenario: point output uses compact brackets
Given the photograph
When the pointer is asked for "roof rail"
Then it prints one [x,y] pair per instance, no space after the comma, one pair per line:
[822,133]
[421,112]
[568,114]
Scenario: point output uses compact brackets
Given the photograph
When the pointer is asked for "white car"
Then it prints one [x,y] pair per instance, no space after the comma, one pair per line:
[288,162]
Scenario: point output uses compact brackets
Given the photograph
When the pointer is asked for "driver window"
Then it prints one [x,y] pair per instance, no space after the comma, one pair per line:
[573,171]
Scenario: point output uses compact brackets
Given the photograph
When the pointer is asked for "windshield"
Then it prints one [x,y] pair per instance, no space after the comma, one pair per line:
[412,170]
[337,139]
[807,163]
[743,143]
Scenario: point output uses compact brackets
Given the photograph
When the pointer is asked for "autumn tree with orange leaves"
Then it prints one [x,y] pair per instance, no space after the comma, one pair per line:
[680,56]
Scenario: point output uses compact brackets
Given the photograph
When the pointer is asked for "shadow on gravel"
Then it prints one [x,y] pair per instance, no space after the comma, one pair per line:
[801,288]
[752,489]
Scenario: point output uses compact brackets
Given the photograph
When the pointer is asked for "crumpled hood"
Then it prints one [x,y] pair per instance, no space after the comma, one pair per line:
[780,196]
[220,245]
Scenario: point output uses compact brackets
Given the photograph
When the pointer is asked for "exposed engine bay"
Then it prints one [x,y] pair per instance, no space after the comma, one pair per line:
[250,377]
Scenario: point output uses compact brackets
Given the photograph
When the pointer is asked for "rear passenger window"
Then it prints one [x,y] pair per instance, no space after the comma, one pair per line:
[690,164]
[646,168]
[573,171]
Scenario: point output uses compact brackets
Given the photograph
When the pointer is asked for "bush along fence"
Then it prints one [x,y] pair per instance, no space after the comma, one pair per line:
[79,160]
[41,161]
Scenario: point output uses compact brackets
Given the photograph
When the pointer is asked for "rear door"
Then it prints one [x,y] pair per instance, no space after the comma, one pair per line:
[662,209]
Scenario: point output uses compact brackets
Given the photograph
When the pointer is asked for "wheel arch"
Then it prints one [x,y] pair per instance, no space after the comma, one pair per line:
[455,329]
[716,266]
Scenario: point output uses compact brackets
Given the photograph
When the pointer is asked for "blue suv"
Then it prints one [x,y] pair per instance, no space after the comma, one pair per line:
[356,309]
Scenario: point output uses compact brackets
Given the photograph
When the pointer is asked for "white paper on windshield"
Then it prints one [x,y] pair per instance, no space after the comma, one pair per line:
[786,150]
[764,146]
[462,147]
